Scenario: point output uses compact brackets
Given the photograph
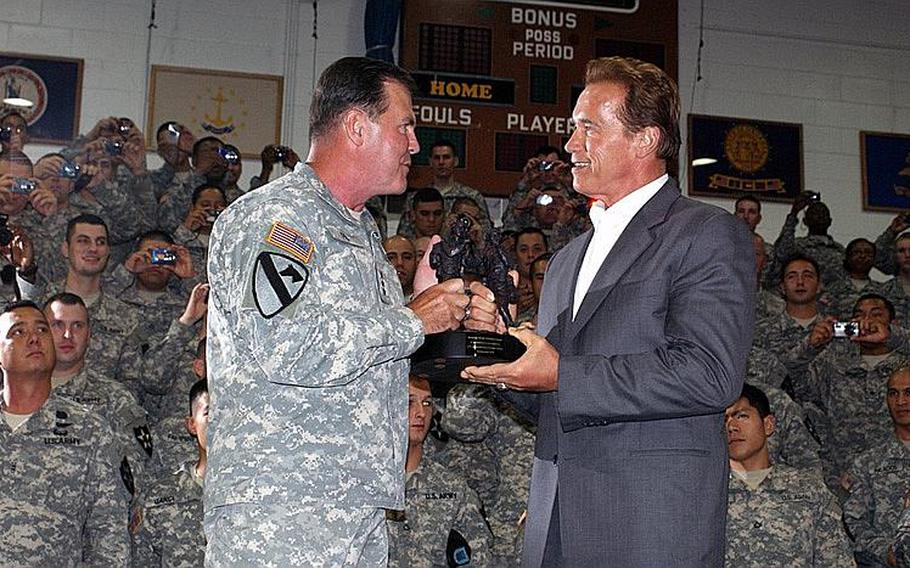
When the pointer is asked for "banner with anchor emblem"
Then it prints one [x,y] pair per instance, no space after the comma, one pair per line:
[243,109]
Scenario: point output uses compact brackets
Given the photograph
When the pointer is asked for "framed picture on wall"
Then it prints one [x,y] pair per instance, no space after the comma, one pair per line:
[886,171]
[46,91]
[243,109]
[729,157]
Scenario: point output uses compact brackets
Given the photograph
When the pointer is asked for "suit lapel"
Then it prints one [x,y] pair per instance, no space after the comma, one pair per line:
[554,327]
[633,241]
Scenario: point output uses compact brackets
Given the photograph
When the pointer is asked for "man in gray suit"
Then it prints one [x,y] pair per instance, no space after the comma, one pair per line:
[644,328]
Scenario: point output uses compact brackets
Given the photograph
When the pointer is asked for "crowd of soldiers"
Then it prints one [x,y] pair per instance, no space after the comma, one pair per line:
[106,271]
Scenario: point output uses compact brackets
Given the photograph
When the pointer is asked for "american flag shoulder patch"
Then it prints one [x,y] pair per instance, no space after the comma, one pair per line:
[291,241]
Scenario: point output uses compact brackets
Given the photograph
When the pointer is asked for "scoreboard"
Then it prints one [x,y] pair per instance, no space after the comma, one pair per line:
[499,79]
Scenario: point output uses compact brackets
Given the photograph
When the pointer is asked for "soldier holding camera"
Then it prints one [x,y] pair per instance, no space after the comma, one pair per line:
[210,167]
[272,155]
[818,244]
[842,367]
[174,143]
[879,479]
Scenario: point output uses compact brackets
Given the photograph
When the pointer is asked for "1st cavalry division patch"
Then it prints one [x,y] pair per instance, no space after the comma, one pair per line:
[278,280]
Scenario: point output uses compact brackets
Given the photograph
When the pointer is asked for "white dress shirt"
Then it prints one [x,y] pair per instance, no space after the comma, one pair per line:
[609,223]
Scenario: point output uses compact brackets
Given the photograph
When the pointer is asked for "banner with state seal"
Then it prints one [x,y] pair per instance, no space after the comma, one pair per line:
[729,157]
[46,91]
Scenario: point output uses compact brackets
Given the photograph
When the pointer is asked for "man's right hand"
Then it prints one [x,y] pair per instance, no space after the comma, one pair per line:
[900,223]
[801,202]
[197,305]
[441,307]
[822,333]
[196,219]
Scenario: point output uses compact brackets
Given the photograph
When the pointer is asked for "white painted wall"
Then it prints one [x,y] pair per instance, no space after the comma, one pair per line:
[235,35]
[836,66]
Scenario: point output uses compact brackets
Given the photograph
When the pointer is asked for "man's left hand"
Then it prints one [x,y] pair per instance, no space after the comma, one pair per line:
[536,370]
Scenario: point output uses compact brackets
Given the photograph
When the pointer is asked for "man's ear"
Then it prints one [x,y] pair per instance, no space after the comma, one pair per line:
[65,249]
[769,423]
[648,141]
[190,425]
[354,124]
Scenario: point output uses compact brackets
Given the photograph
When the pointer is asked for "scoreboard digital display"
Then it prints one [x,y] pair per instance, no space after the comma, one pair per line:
[499,79]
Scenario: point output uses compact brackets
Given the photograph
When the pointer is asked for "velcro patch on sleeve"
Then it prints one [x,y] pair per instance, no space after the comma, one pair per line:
[291,241]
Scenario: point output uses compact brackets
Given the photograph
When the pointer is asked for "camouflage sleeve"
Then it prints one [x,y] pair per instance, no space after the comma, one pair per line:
[513,219]
[807,368]
[174,205]
[105,535]
[884,252]
[256,181]
[469,522]
[325,346]
[859,515]
[902,543]
[832,547]
[117,279]
[190,240]
[144,553]
[130,423]
[797,447]
[324,331]
[30,290]
[468,416]
[784,247]
[161,179]
[128,207]
[158,373]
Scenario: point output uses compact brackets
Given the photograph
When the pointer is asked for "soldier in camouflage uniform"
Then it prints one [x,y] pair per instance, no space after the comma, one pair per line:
[443,161]
[818,244]
[898,288]
[174,144]
[307,339]
[186,369]
[207,202]
[793,443]
[442,523]
[62,502]
[118,188]
[768,303]
[473,414]
[72,379]
[779,333]
[166,525]
[776,515]
[209,168]
[113,352]
[845,378]
[858,260]
[157,290]
[879,479]
[886,244]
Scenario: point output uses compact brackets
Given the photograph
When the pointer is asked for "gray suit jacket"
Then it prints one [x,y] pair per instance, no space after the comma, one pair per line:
[654,356]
